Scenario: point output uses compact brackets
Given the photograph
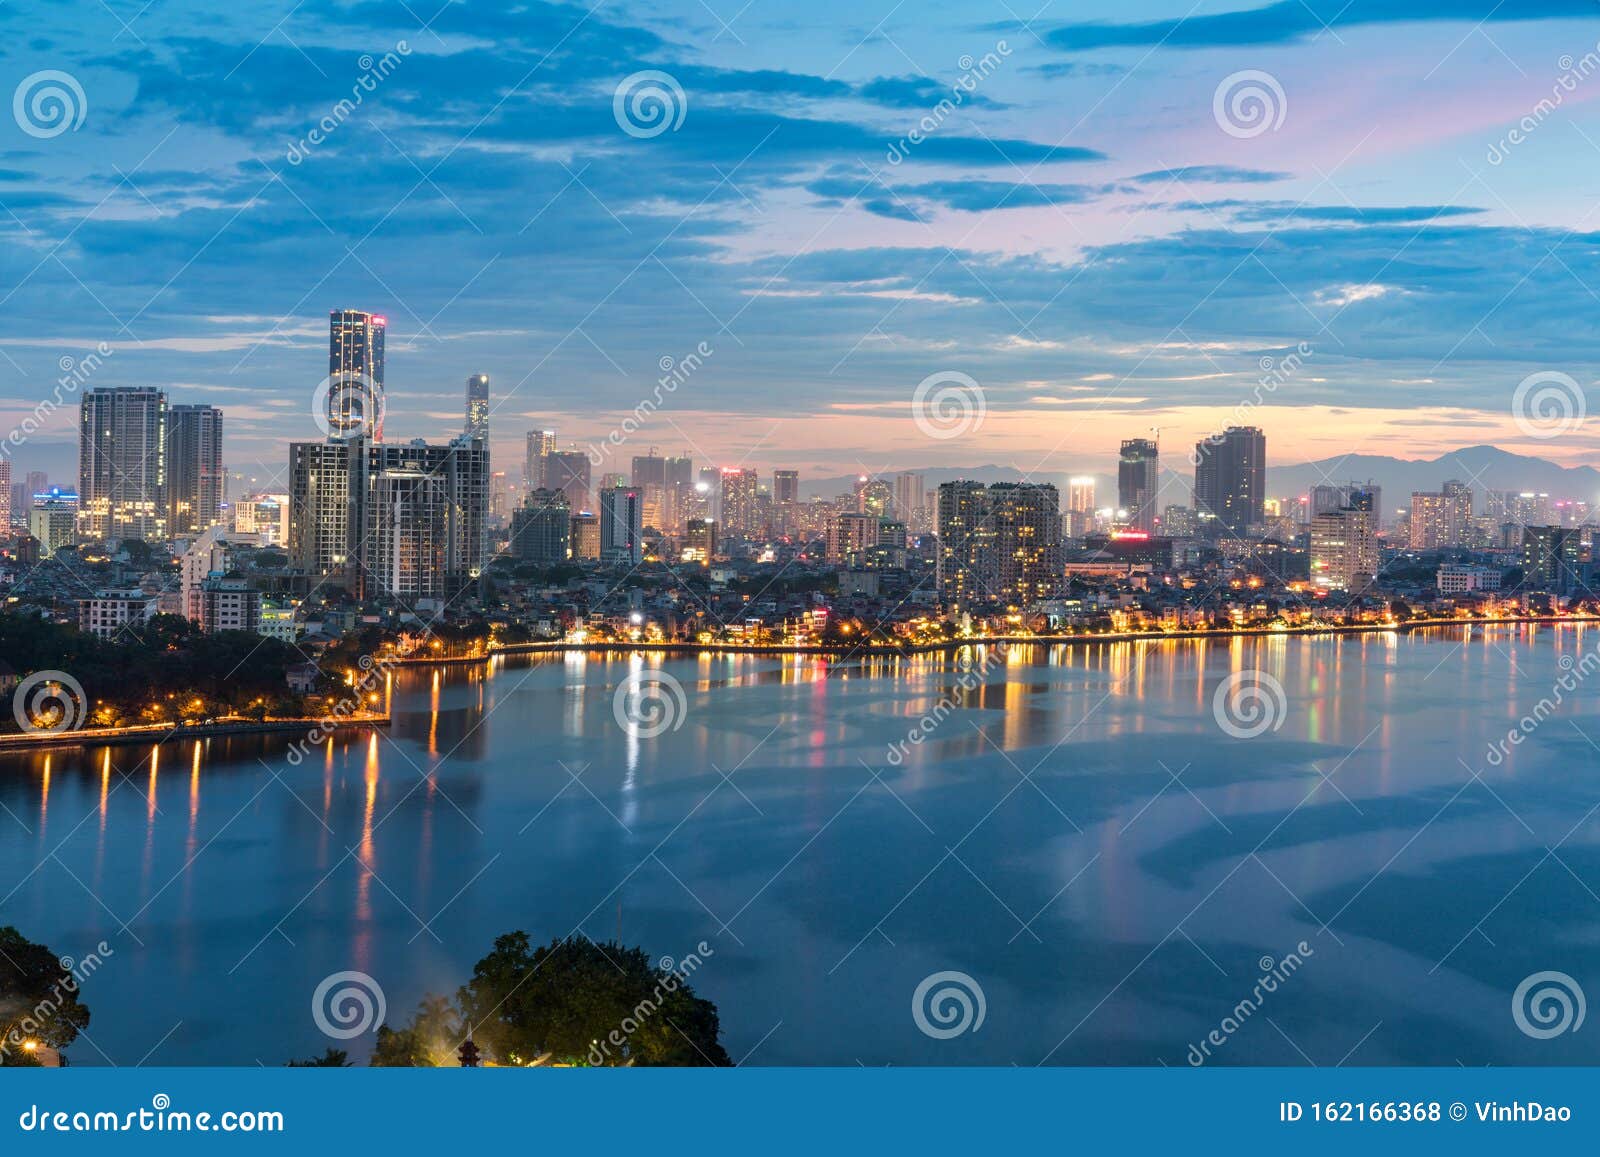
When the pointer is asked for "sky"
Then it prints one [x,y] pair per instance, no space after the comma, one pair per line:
[894,234]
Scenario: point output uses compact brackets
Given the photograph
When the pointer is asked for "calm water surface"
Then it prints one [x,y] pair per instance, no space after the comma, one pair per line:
[1077,834]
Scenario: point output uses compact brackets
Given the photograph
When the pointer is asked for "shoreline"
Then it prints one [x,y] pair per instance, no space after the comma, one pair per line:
[159,734]
[561,646]
[162,733]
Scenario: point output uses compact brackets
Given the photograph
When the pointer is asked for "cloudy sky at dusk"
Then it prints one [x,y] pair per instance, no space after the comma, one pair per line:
[1086,234]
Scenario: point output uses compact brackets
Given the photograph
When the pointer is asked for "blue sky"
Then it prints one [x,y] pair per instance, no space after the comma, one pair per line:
[1081,233]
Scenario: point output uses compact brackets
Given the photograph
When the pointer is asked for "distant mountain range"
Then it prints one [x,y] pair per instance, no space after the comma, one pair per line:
[1481,467]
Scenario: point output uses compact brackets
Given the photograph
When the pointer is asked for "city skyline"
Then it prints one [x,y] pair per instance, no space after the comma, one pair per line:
[789,202]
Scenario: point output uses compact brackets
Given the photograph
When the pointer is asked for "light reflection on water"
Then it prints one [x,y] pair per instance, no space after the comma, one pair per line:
[1076,833]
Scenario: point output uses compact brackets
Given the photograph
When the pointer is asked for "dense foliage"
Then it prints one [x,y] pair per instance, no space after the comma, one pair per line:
[163,670]
[38,1000]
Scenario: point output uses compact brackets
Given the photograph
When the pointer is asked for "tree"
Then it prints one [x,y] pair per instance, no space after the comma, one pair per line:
[332,1059]
[569,997]
[38,999]
[430,1041]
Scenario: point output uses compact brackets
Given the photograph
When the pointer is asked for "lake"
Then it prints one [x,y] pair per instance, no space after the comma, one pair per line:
[1311,850]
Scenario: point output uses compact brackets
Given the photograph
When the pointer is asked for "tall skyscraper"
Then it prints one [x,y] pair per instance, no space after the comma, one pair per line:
[1441,519]
[1553,559]
[1080,494]
[122,464]
[679,493]
[449,507]
[5,496]
[541,531]
[477,423]
[998,543]
[541,444]
[1344,551]
[194,468]
[1139,482]
[785,486]
[321,514]
[910,499]
[621,525]
[1230,477]
[568,472]
[741,512]
[355,374]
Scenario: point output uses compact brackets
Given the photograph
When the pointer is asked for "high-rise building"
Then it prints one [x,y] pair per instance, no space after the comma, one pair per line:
[586,536]
[785,486]
[999,543]
[53,520]
[1553,559]
[37,482]
[621,525]
[568,472]
[1441,519]
[1230,477]
[194,469]
[264,515]
[323,522]
[1344,547]
[741,513]
[122,464]
[679,491]
[6,504]
[1139,483]
[910,499]
[699,540]
[477,423]
[541,444]
[355,374]
[541,531]
[1080,494]
[452,507]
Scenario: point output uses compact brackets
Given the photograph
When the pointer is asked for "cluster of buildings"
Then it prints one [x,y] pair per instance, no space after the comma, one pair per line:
[361,530]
